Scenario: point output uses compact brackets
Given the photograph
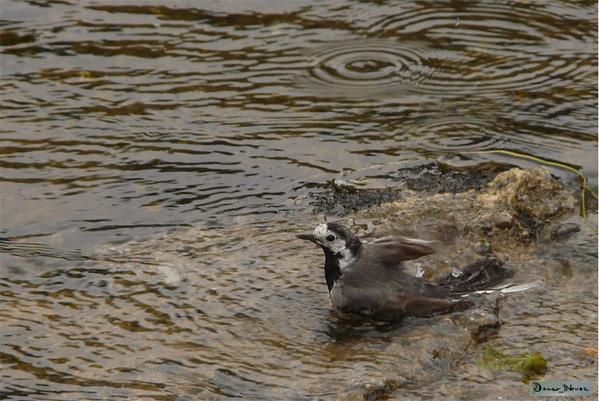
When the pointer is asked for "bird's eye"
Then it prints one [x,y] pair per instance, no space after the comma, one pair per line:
[331,238]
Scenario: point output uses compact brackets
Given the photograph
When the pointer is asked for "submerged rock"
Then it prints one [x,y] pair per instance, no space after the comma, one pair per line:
[438,177]
[525,201]
[514,209]
[341,197]
[532,192]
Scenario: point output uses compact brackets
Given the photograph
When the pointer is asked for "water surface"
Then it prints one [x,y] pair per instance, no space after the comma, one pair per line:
[153,159]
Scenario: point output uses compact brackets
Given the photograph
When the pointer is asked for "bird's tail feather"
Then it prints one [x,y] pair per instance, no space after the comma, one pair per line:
[508,288]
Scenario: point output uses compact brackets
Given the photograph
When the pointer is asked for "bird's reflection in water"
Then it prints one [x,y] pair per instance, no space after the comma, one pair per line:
[348,328]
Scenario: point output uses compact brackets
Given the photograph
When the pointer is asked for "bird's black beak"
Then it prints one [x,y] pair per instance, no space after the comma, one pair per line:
[309,237]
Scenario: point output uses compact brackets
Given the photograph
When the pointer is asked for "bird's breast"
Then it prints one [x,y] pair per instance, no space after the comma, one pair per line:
[337,298]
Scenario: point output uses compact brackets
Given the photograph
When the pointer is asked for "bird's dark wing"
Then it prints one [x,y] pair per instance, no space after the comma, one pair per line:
[387,304]
[421,306]
[391,251]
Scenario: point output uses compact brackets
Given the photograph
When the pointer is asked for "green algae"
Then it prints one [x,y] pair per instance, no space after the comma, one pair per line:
[529,364]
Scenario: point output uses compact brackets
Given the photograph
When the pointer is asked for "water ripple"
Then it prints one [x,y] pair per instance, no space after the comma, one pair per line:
[366,68]
[480,72]
[494,48]
[457,134]
[487,25]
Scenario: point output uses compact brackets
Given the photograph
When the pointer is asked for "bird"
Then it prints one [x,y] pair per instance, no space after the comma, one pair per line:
[370,279]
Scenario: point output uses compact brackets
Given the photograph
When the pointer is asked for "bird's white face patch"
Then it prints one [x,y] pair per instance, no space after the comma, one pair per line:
[329,239]
[321,230]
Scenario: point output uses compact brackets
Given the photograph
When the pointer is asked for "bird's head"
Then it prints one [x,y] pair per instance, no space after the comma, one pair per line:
[337,242]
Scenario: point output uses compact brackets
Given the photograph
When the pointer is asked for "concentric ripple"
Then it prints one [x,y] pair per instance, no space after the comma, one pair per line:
[456,134]
[489,25]
[366,68]
[480,72]
[493,48]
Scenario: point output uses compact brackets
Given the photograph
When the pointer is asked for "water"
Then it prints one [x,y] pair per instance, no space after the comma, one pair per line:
[153,155]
